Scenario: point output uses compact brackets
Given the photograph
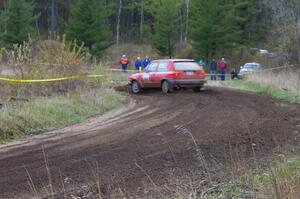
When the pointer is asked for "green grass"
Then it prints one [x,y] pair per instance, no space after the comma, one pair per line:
[269,90]
[44,113]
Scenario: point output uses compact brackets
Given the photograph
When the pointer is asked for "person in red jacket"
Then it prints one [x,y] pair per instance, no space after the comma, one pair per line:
[222,68]
[124,63]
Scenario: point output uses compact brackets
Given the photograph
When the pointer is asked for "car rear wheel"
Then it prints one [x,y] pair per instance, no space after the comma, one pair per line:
[197,89]
[166,87]
[135,87]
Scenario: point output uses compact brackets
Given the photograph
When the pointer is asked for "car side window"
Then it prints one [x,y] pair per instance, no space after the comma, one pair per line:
[152,67]
[163,67]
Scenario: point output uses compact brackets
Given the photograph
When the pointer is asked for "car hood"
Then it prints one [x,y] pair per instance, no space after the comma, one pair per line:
[135,76]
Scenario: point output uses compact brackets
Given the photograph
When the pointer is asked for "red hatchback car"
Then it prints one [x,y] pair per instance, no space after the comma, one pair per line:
[169,74]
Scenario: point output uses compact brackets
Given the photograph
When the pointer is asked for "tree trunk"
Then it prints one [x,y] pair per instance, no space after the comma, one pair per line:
[187,2]
[37,29]
[142,22]
[118,22]
[297,42]
[53,20]
[181,26]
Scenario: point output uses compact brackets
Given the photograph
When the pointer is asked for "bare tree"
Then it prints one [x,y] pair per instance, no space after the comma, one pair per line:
[187,5]
[53,20]
[119,21]
[286,20]
[142,20]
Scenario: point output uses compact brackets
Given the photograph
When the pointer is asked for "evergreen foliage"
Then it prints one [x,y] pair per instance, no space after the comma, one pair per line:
[213,27]
[165,25]
[17,22]
[220,27]
[87,25]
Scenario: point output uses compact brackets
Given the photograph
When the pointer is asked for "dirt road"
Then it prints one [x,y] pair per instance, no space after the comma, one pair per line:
[150,134]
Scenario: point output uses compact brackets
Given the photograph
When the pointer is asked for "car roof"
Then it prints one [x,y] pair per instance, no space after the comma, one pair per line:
[253,63]
[176,60]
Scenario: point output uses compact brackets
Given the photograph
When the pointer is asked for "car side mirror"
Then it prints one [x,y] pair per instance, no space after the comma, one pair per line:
[241,67]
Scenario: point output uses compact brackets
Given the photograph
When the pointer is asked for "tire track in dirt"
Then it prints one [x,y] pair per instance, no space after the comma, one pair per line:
[144,132]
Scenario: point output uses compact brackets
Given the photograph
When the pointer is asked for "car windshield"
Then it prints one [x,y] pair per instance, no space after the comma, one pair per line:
[186,66]
[151,67]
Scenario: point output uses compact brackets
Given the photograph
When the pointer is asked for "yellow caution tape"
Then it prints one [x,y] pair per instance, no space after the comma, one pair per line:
[97,76]
[47,80]
[39,80]
[121,70]
[94,76]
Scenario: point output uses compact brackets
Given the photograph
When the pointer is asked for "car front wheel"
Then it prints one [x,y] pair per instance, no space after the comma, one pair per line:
[135,87]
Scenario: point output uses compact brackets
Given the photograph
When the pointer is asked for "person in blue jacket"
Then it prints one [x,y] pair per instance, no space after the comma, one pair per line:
[202,62]
[213,69]
[146,62]
[138,64]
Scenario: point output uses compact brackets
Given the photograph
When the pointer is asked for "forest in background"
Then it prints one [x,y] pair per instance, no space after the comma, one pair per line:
[206,28]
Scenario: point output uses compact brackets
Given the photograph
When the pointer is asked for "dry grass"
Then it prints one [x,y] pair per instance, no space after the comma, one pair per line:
[288,80]
[28,108]
[41,60]
[284,84]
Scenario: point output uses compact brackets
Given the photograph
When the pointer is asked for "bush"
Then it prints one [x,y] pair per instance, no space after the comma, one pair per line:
[43,60]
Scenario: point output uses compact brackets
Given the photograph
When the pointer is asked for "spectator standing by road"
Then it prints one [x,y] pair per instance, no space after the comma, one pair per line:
[234,74]
[213,69]
[124,63]
[138,64]
[223,67]
[202,63]
[146,62]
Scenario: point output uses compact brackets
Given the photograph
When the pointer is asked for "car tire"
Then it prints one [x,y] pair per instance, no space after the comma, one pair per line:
[135,87]
[198,89]
[166,87]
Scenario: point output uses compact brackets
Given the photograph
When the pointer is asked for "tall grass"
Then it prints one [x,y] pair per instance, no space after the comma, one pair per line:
[288,80]
[278,84]
[29,108]
[42,60]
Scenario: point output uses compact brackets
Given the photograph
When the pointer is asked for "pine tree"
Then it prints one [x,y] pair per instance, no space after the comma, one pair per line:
[222,26]
[87,25]
[251,30]
[165,26]
[19,23]
[204,27]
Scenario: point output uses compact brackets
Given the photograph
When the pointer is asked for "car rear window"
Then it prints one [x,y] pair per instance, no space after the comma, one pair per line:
[186,66]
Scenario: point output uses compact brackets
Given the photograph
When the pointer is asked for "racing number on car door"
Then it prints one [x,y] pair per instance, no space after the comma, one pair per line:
[149,76]
[162,69]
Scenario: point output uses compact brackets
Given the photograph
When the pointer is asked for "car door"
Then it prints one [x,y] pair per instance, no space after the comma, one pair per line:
[162,71]
[148,76]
